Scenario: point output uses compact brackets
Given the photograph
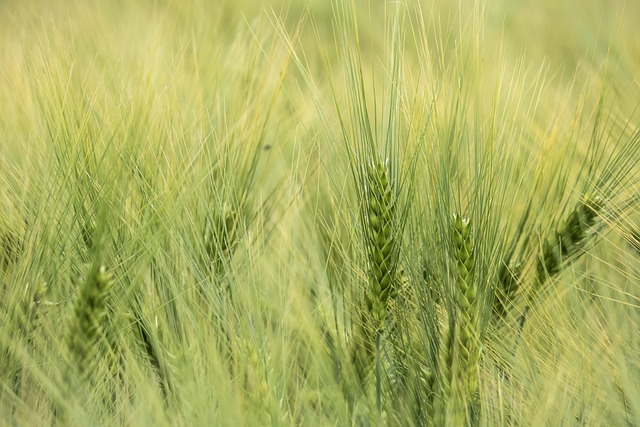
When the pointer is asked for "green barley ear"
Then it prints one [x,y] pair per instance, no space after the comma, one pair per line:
[467,315]
[26,311]
[89,313]
[381,241]
[402,285]
[449,407]
[427,381]
[564,245]
[380,231]
[19,326]
[508,284]
[401,310]
[460,346]
[445,373]
[363,345]
[88,231]
[153,350]
[85,217]
[11,247]
[257,376]
[220,235]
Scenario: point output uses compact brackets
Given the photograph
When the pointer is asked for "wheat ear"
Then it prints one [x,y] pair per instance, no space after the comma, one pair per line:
[220,236]
[153,350]
[11,247]
[20,325]
[445,374]
[89,313]
[468,317]
[460,346]
[382,244]
[564,245]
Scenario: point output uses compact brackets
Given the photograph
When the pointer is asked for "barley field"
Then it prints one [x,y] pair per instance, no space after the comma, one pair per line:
[319,213]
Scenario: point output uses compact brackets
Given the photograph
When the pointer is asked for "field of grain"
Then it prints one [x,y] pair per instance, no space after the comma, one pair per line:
[314,212]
